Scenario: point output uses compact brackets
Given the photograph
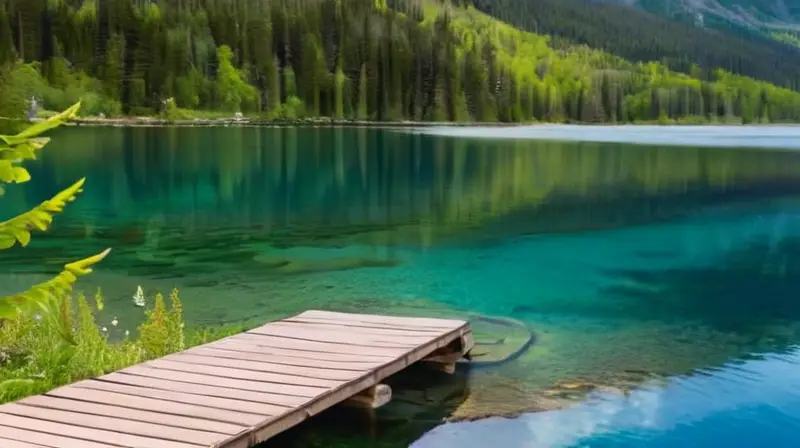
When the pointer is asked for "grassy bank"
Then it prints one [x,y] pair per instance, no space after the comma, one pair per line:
[41,352]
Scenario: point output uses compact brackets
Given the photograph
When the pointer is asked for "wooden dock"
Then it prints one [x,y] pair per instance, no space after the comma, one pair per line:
[238,391]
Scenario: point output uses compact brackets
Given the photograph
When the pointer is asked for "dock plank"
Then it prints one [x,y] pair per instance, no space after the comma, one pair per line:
[10,443]
[152,415]
[82,433]
[222,409]
[203,389]
[433,332]
[248,347]
[409,322]
[162,432]
[93,401]
[247,385]
[339,336]
[318,347]
[277,359]
[234,392]
[393,333]
[49,440]
[288,378]
[300,373]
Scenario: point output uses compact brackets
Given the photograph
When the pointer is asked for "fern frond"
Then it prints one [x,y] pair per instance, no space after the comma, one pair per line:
[23,151]
[18,228]
[41,127]
[44,295]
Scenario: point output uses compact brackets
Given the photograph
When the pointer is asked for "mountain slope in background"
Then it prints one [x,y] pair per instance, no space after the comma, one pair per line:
[747,13]
[634,30]
[384,60]
[770,17]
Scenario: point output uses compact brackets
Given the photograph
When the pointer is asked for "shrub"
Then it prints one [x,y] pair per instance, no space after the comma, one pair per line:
[35,356]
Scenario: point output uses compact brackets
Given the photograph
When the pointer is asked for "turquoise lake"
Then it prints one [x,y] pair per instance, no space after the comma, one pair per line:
[662,282]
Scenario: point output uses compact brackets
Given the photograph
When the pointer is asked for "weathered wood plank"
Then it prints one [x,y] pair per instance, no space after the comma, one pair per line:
[48,440]
[245,346]
[102,438]
[252,386]
[340,336]
[147,409]
[223,409]
[119,425]
[317,347]
[205,389]
[286,379]
[299,372]
[10,443]
[128,413]
[399,333]
[278,360]
[433,332]
[410,322]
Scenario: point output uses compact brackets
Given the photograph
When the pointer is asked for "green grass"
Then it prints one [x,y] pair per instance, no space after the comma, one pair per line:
[41,352]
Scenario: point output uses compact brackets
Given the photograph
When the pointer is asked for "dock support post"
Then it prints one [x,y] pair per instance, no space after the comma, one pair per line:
[371,398]
[445,358]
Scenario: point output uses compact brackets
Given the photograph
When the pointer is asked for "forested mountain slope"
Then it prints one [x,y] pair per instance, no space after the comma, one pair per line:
[622,28]
[754,14]
[347,59]
[775,19]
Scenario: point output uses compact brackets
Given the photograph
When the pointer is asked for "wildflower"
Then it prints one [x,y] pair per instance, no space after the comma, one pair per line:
[104,330]
[37,316]
[138,298]
[114,322]
[127,333]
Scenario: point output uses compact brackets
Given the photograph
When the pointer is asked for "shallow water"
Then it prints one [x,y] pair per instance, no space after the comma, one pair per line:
[644,270]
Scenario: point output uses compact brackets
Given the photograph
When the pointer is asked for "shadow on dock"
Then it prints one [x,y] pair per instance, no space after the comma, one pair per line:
[421,399]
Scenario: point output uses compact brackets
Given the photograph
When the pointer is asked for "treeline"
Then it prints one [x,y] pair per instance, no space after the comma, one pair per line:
[642,36]
[347,59]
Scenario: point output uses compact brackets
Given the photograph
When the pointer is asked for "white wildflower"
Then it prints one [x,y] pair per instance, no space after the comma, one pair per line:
[138,298]
[37,316]
[114,322]
[127,333]
[104,330]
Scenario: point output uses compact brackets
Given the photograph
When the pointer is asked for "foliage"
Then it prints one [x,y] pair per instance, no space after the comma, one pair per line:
[640,36]
[787,37]
[34,357]
[233,93]
[393,60]
[162,333]
[55,85]
[13,150]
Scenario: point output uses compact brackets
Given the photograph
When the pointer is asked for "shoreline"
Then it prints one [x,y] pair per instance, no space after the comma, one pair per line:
[143,121]
[258,122]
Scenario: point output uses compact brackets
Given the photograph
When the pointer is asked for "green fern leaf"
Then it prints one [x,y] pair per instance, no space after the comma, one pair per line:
[42,127]
[19,227]
[44,295]
[21,175]
[23,151]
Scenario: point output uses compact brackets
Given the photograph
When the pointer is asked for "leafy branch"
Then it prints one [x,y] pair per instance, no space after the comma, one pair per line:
[13,150]
[44,295]
[18,228]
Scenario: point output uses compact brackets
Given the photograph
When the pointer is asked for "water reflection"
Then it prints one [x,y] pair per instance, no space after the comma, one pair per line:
[284,178]
[630,262]
[714,407]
